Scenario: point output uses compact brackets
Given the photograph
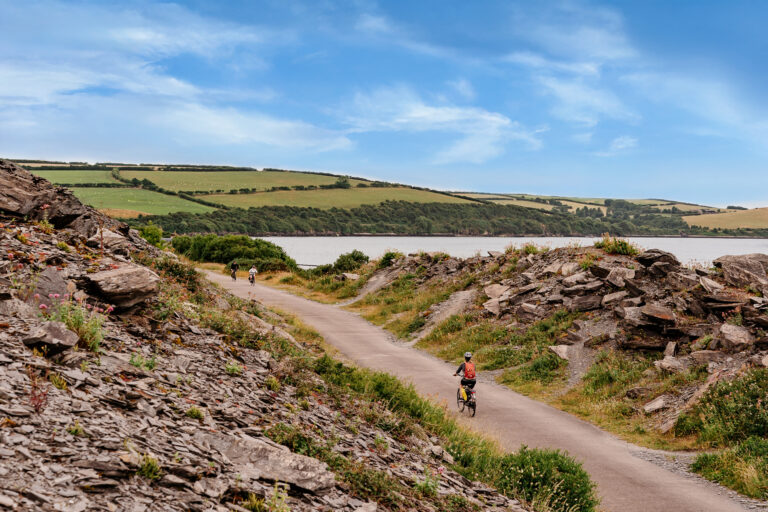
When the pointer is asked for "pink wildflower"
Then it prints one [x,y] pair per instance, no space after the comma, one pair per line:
[440,470]
[66,295]
[110,309]
[43,306]
[10,255]
[37,296]
[50,295]
[88,306]
[55,295]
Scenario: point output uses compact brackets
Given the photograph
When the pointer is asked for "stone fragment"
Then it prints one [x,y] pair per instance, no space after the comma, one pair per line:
[617,276]
[745,270]
[658,314]
[569,268]
[126,285]
[110,241]
[657,404]
[51,337]
[710,285]
[735,337]
[671,364]
[586,303]
[702,357]
[493,306]
[613,298]
[494,291]
[581,277]
[633,316]
[560,350]
[671,349]
[652,256]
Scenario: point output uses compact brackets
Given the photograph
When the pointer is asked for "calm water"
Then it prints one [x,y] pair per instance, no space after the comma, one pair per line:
[319,250]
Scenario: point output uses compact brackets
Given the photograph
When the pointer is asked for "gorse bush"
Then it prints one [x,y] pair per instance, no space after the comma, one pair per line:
[388,258]
[350,261]
[547,478]
[152,233]
[613,245]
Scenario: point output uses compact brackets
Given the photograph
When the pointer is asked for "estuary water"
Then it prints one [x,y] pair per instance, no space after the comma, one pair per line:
[319,250]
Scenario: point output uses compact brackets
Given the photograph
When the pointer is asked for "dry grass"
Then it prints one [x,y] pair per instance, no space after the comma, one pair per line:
[121,214]
[754,218]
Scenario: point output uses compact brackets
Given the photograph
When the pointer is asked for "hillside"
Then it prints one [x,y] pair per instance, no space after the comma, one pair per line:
[132,191]
[128,382]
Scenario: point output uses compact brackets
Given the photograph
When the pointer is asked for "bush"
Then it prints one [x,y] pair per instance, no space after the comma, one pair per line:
[225,249]
[152,234]
[83,320]
[194,413]
[389,258]
[735,410]
[548,478]
[613,245]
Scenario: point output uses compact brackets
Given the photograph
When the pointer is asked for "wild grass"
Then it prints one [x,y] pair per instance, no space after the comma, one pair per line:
[743,468]
[614,245]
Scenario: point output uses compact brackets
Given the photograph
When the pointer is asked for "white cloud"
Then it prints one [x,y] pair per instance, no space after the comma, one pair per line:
[482,135]
[584,104]
[463,87]
[541,63]
[619,145]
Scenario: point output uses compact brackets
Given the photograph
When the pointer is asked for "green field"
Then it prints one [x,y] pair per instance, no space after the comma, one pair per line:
[228,180]
[130,202]
[339,198]
[77,177]
[755,218]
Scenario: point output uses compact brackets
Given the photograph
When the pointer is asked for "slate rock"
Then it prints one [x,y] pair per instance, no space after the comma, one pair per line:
[126,285]
[652,256]
[53,337]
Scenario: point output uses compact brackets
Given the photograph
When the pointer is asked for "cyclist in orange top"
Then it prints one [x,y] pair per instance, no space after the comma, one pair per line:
[467,372]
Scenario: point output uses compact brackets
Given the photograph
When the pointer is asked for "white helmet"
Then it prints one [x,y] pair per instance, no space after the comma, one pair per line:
[467,355]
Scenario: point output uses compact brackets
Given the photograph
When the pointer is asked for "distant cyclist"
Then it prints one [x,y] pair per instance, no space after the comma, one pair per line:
[234,267]
[252,274]
[467,372]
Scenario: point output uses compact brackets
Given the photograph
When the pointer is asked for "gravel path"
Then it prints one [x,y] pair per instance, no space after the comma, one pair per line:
[628,481]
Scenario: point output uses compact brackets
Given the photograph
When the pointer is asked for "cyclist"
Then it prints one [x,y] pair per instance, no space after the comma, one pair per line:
[252,274]
[467,372]
[234,267]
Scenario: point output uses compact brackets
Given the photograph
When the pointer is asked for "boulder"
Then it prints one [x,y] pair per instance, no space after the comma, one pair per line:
[586,303]
[581,277]
[613,298]
[560,350]
[672,364]
[600,270]
[736,338]
[746,270]
[707,356]
[493,305]
[113,242]
[51,337]
[348,276]
[671,349]
[551,269]
[617,276]
[710,285]
[661,268]
[494,291]
[569,268]
[657,404]
[633,316]
[265,460]
[658,314]
[652,256]
[124,286]
[50,282]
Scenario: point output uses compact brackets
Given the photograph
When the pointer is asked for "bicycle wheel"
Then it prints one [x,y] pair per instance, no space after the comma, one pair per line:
[459,401]
[472,408]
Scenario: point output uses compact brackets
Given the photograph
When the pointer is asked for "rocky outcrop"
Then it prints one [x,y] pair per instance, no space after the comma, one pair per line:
[747,270]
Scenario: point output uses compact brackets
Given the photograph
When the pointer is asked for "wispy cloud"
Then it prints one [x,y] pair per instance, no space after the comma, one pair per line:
[541,63]
[618,145]
[584,104]
[482,135]
[463,88]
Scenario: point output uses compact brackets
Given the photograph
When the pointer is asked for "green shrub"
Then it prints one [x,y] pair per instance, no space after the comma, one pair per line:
[139,361]
[225,249]
[688,424]
[152,233]
[150,468]
[350,261]
[548,478]
[76,430]
[611,372]
[735,410]
[272,383]
[743,468]
[233,368]
[83,320]
[195,413]
[389,258]
[614,245]
[428,486]
[543,368]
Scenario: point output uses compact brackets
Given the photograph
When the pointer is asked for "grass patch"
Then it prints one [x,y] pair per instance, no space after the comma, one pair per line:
[76,177]
[743,468]
[135,199]
[615,245]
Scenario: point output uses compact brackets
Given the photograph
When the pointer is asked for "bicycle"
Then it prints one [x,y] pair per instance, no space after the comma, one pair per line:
[470,403]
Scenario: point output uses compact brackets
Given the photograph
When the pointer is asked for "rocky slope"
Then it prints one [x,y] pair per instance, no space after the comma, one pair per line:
[715,318]
[132,387]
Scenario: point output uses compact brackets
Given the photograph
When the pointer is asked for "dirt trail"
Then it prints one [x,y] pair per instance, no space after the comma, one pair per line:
[626,482]
[378,281]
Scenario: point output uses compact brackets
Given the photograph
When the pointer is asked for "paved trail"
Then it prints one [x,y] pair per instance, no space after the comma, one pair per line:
[625,482]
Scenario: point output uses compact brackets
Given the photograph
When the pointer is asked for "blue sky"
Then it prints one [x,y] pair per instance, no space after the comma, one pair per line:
[623,99]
